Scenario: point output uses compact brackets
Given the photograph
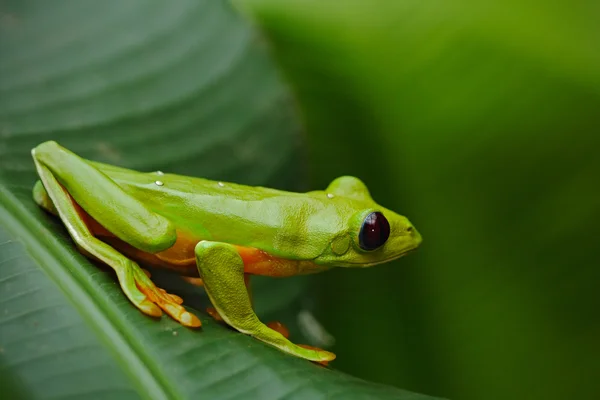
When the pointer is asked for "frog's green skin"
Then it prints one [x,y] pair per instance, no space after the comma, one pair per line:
[222,230]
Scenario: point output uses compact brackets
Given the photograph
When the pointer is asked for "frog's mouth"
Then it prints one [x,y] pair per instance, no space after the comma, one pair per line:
[383,261]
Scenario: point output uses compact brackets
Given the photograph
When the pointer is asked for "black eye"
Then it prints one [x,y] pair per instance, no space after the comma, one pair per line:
[374,232]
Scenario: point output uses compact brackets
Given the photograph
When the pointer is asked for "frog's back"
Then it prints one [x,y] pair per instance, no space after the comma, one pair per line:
[276,221]
[143,184]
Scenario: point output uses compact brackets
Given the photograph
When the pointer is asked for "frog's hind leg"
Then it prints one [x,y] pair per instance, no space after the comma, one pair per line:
[138,287]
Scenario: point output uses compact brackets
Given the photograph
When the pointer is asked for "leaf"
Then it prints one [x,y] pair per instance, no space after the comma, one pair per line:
[184,87]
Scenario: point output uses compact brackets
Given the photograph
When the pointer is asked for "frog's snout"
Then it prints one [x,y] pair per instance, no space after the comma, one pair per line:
[414,235]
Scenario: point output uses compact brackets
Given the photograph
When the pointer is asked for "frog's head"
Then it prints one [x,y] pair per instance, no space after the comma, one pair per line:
[372,235]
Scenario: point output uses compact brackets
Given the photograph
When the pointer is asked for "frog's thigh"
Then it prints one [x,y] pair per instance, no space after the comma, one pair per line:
[126,217]
[222,271]
[135,284]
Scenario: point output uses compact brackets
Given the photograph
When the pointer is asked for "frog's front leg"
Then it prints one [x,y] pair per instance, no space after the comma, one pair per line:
[275,325]
[222,270]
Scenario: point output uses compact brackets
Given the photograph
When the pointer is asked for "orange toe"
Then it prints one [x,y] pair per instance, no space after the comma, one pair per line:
[214,313]
[190,320]
[158,300]
[149,308]
[193,281]
[176,298]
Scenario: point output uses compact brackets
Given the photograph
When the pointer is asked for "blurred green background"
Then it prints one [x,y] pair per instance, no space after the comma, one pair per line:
[480,121]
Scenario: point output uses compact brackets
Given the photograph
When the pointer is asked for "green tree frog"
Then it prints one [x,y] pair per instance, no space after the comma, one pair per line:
[220,233]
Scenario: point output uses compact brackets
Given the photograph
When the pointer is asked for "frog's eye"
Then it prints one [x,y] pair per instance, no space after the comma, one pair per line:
[374,232]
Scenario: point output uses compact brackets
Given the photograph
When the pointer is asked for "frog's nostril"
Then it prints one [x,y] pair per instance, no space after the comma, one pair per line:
[410,230]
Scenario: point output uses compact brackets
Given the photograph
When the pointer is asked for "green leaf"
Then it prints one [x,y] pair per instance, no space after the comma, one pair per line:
[184,87]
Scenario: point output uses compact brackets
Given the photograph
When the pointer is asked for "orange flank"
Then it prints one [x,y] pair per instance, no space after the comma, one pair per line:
[259,262]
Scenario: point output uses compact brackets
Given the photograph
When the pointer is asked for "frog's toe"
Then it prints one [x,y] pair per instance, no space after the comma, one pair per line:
[183,316]
[214,313]
[193,281]
[149,308]
[176,298]
[173,297]
[173,308]
[169,303]
[326,356]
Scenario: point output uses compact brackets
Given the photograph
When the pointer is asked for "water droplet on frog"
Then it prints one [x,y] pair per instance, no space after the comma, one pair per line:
[159,183]
[329,195]
[159,173]
[221,184]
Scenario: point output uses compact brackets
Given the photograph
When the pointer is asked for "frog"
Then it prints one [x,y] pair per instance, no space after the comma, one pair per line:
[217,234]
